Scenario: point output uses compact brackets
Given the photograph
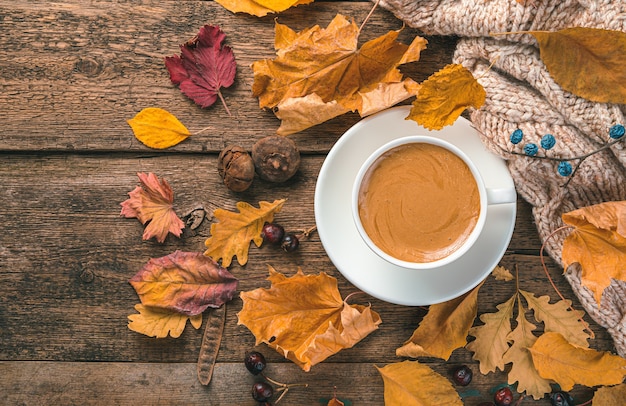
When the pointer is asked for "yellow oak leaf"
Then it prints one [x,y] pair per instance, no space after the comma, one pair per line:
[410,383]
[502,274]
[231,236]
[522,369]
[558,317]
[567,364]
[598,244]
[327,62]
[157,322]
[152,203]
[610,395]
[491,337]
[444,96]
[260,8]
[310,329]
[588,62]
[443,329]
[158,128]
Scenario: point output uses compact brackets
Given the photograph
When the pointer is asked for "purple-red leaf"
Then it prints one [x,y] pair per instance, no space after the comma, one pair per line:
[185,282]
[203,67]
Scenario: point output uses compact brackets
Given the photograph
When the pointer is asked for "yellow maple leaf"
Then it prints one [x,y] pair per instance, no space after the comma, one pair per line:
[491,338]
[231,236]
[260,8]
[598,244]
[567,364]
[158,128]
[157,322]
[310,329]
[444,96]
[443,329]
[410,383]
[522,369]
[328,63]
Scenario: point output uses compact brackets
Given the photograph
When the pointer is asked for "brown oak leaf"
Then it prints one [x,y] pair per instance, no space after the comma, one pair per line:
[152,203]
[308,330]
[158,322]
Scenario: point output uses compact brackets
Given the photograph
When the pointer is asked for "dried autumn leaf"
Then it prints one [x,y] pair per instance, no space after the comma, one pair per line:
[152,203]
[231,236]
[184,282]
[444,96]
[157,322]
[410,383]
[598,244]
[588,62]
[502,274]
[522,369]
[611,395]
[491,338]
[158,128]
[260,8]
[204,66]
[567,365]
[558,317]
[443,329]
[310,329]
[327,62]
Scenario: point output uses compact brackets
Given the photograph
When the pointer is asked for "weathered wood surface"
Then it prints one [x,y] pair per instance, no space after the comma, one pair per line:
[70,76]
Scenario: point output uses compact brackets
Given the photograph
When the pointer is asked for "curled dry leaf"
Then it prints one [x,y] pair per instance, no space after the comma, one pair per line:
[184,282]
[158,128]
[325,68]
[444,96]
[157,322]
[567,364]
[443,329]
[310,329]
[152,203]
[598,244]
[260,8]
[204,66]
[231,236]
[410,383]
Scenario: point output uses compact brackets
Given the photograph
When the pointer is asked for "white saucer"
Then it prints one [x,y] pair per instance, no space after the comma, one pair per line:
[361,266]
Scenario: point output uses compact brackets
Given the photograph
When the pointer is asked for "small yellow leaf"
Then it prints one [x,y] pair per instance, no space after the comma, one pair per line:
[502,274]
[444,96]
[260,8]
[410,383]
[567,365]
[157,322]
[158,128]
[613,395]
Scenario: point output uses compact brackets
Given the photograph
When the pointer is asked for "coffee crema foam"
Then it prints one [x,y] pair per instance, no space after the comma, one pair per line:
[419,202]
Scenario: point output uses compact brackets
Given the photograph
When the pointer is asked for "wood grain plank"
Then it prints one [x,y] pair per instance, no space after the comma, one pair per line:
[74,72]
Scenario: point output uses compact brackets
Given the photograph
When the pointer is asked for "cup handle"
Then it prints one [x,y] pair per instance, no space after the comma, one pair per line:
[501,196]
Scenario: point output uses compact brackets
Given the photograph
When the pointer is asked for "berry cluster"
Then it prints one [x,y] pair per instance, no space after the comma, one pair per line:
[548,141]
[274,234]
[263,391]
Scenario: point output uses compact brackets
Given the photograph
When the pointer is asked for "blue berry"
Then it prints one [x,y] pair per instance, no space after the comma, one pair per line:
[531,149]
[564,168]
[516,136]
[617,131]
[548,141]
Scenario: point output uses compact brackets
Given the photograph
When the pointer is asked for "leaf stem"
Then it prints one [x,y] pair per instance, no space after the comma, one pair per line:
[224,102]
[367,17]
[203,130]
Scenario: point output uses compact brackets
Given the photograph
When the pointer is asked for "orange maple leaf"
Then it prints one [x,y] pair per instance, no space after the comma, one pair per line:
[152,203]
[598,244]
[310,329]
[260,8]
[327,63]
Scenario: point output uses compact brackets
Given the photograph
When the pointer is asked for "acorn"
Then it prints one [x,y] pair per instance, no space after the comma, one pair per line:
[275,158]
[236,168]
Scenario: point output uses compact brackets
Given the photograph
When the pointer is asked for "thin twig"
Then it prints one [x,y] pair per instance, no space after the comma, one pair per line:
[367,17]
[224,103]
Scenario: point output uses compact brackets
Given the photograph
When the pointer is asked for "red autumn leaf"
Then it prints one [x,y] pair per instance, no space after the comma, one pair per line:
[152,203]
[184,282]
[203,67]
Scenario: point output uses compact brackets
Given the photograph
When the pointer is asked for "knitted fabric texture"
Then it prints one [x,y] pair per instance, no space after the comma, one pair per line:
[521,94]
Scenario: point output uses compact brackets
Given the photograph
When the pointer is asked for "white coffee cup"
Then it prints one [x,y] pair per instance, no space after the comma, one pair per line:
[487,197]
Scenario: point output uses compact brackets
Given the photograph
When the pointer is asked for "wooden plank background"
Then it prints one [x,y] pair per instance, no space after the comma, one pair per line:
[71,74]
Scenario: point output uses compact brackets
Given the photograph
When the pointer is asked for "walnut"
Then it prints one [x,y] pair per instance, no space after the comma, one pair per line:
[276,158]
[236,168]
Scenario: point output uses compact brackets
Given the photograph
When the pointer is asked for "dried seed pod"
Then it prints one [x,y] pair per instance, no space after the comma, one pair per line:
[236,168]
[276,158]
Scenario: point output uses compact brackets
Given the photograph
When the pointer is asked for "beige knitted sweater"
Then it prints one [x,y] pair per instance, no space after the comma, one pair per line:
[521,94]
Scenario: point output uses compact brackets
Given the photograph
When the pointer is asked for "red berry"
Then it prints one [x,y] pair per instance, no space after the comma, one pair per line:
[503,397]
[462,375]
[272,233]
[262,391]
[255,362]
[290,243]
